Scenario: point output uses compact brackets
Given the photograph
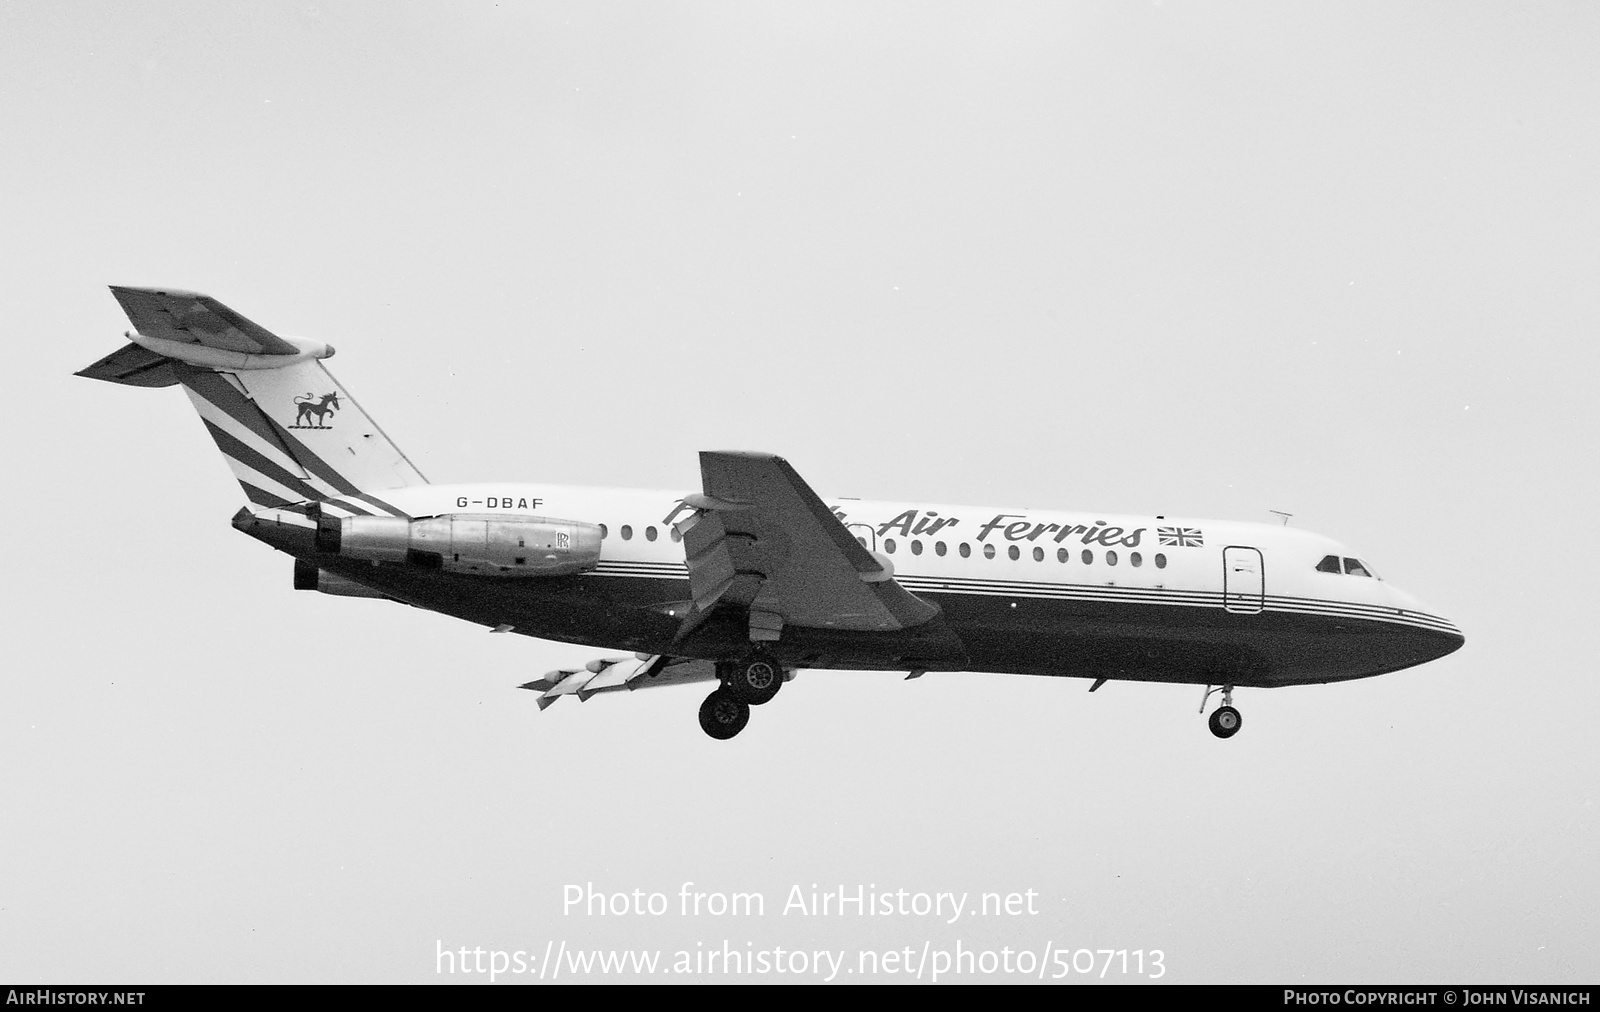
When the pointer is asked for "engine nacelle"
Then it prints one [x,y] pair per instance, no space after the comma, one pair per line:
[486,544]
[309,577]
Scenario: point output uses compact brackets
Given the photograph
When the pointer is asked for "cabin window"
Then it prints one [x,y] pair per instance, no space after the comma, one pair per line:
[1014,553]
[938,548]
[1353,567]
[1062,555]
[965,551]
[1088,557]
[988,551]
[888,545]
[627,532]
[604,531]
[1329,564]
[916,548]
[1161,561]
[1136,560]
[675,535]
[1038,555]
[1111,558]
[650,533]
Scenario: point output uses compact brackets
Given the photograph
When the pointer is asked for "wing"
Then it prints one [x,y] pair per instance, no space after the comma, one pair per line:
[197,319]
[761,539]
[613,674]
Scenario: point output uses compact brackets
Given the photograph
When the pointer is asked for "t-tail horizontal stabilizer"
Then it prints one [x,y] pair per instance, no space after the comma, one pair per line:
[290,432]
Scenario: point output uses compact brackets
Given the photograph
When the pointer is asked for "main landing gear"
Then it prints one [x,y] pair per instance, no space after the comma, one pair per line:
[723,715]
[1225,722]
[750,681]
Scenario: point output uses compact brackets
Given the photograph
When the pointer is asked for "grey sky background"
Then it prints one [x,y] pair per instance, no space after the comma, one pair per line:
[1209,260]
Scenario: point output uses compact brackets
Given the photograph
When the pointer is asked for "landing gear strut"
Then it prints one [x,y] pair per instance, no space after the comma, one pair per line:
[1225,722]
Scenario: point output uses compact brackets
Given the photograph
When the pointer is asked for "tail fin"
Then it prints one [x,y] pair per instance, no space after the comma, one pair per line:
[289,430]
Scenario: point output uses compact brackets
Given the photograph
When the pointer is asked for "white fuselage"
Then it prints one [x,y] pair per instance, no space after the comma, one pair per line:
[1033,591]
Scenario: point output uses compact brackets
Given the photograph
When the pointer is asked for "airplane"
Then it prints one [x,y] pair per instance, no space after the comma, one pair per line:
[755,576]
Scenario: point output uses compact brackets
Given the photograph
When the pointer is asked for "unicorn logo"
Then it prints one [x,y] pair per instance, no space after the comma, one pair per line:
[310,405]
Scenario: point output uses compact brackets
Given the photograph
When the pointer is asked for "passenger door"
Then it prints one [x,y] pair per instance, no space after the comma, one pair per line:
[1243,580]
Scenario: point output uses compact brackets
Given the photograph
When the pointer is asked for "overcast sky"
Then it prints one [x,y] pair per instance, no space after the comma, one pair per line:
[1337,260]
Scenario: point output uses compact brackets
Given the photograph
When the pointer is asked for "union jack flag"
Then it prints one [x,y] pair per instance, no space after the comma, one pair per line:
[1181,537]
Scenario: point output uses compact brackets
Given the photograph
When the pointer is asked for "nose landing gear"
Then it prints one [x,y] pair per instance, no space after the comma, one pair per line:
[1226,721]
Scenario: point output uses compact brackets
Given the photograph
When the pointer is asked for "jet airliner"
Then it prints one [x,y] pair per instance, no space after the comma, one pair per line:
[755,576]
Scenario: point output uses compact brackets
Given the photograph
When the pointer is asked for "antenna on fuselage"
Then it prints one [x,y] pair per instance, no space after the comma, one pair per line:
[1281,513]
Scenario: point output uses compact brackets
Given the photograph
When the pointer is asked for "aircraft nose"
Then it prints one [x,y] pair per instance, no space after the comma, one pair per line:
[1435,635]
[1449,642]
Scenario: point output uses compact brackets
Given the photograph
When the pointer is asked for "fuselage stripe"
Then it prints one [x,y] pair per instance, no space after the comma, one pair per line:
[336,507]
[260,496]
[379,504]
[1153,596]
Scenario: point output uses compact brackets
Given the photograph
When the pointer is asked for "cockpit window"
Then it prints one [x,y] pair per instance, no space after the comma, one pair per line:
[1347,565]
[1353,567]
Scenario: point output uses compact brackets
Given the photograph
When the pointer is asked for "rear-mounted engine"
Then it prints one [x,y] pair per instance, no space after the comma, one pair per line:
[308,577]
[467,543]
